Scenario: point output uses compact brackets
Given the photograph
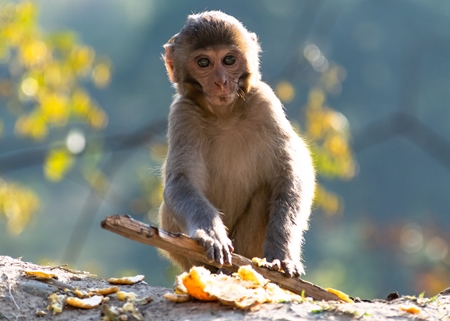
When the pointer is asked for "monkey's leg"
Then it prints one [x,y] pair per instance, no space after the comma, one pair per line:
[249,231]
[167,222]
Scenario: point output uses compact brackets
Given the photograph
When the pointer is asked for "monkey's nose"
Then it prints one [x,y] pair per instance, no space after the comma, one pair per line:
[221,84]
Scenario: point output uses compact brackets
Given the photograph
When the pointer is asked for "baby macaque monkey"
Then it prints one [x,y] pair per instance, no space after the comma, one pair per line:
[237,178]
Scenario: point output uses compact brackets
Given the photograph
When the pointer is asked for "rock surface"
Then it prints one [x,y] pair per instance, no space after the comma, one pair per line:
[23,298]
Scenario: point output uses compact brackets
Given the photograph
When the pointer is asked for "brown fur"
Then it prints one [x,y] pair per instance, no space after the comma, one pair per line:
[237,176]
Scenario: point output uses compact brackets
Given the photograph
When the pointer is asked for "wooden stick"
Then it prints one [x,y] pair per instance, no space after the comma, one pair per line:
[181,244]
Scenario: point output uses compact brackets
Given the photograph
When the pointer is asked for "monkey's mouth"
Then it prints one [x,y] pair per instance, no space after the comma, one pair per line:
[221,100]
[225,98]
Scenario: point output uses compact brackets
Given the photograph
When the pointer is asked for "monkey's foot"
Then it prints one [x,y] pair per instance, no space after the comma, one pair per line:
[288,267]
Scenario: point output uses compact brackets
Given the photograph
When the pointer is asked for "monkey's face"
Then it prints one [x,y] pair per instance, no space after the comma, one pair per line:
[218,72]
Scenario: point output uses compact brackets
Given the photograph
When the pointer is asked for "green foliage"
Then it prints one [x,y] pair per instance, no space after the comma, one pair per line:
[326,130]
[46,70]
[43,90]
[17,204]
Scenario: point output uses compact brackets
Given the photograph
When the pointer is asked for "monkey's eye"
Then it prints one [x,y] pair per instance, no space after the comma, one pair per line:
[203,62]
[229,60]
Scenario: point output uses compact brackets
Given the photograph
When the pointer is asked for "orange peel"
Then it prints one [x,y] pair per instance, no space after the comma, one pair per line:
[247,273]
[127,280]
[410,309]
[177,298]
[105,291]
[56,303]
[259,261]
[195,282]
[245,289]
[80,293]
[122,296]
[86,303]
[341,295]
[40,274]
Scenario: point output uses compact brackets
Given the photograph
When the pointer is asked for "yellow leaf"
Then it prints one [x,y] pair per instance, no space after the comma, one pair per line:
[33,126]
[316,98]
[97,118]
[285,91]
[57,164]
[81,102]
[63,40]
[329,202]
[54,108]
[101,75]
[17,204]
[53,75]
[336,145]
[34,53]
[81,59]
[26,11]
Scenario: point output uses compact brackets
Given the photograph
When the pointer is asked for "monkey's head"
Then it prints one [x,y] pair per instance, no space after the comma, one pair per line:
[213,59]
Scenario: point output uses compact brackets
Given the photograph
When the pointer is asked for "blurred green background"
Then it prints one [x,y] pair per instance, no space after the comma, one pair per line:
[84,99]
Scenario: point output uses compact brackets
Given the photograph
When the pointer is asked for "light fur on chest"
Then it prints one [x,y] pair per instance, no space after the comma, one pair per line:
[239,163]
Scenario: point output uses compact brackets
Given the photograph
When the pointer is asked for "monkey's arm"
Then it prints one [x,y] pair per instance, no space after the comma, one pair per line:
[292,190]
[290,208]
[185,174]
[198,217]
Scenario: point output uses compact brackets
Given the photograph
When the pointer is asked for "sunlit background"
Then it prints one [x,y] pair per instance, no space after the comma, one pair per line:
[84,99]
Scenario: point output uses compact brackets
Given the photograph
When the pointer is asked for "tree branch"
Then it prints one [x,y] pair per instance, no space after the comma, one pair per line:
[181,244]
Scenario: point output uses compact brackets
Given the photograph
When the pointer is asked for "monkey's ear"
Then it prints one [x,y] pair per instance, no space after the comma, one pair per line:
[168,60]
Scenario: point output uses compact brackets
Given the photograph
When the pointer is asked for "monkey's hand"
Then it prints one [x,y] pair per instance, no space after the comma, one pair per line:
[289,267]
[217,245]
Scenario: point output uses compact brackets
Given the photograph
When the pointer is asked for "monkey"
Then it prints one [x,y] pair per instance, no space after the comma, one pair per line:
[237,177]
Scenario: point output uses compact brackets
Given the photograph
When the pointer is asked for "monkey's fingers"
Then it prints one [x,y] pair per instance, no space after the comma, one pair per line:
[227,257]
[292,269]
[275,265]
[208,245]
[288,267]
[214,251]
[219,253]
[223,253]
[217,245]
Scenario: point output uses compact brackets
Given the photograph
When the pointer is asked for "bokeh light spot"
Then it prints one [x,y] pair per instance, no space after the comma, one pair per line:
[285,91]
[75,142]
[411,238]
